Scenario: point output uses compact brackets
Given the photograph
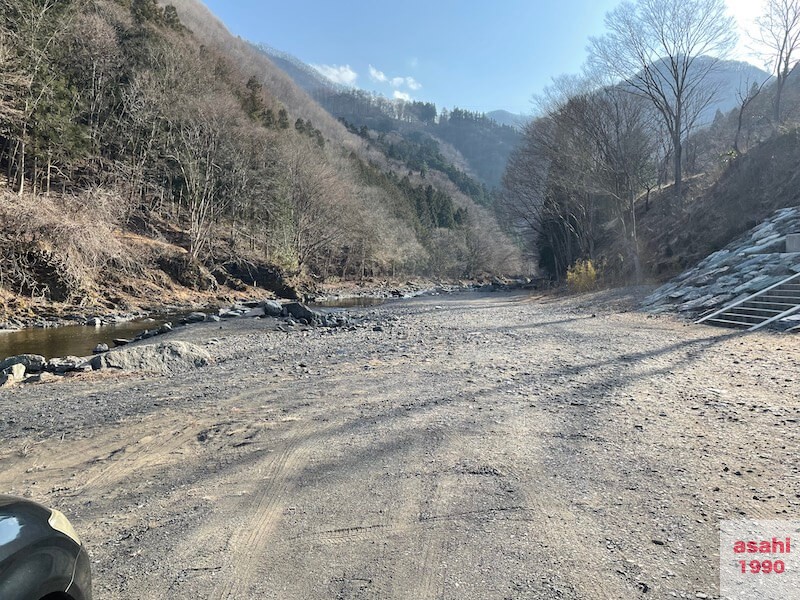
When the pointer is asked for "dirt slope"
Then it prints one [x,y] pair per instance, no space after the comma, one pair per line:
[480,446]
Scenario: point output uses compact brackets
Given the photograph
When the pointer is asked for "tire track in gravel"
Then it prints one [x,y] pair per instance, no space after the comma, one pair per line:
[155,450]
[264,510]
[562,531]
[426,574]
[104,459]
[160,440]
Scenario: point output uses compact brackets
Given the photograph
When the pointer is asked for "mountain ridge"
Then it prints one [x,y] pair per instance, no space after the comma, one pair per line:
[480,143]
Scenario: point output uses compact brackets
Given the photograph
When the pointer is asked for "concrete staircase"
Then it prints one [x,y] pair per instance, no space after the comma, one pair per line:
[761,309]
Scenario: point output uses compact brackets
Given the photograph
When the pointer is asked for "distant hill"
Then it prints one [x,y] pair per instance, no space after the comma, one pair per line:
[473,144]
[732,77]
[305,76]
[504,117]
[729,78]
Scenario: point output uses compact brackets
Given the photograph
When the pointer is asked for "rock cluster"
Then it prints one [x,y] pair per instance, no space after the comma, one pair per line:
[49,321]
[752,262]
[24,367]
[164,357]
[292,313]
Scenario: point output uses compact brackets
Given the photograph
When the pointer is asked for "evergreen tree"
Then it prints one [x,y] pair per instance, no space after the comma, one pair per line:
[283,119]
[171,18]
[144,11]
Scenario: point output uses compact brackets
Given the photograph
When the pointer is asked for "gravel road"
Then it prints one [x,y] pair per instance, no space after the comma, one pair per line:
[477,446]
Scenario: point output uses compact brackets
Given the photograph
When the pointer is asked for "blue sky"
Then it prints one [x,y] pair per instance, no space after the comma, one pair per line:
[479,55]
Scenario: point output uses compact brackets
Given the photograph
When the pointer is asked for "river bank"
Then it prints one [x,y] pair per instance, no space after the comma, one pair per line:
[469,446]
[18,312]
[77,334]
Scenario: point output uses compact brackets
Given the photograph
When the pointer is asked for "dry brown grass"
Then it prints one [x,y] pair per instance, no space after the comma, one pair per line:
[55,247]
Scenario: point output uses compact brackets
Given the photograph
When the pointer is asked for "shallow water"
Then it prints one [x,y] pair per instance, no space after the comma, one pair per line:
[79,340]
[73,340]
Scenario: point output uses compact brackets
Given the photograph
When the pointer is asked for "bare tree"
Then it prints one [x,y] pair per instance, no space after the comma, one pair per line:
[314,202]
[745,97]
[664,50]
[779,36]
[96,59]
[579,169]
[545,199]
[200,149]
[12,84]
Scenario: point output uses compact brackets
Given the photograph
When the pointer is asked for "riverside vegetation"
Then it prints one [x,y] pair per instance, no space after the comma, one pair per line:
[148,156]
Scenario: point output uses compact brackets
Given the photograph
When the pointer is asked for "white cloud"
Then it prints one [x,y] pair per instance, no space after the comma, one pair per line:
[341,74]
[398,95]
[377,75]
[396,82]
[409,82]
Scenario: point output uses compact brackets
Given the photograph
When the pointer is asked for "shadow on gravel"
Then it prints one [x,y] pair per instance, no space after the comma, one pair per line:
[542,324]
[693,347]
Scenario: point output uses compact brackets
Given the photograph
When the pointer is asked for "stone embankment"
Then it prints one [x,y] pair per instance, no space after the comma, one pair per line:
[752,262]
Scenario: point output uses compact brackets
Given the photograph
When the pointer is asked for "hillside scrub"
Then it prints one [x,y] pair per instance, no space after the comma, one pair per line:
[57,247]
[118,117]
[746,192]
[591,179]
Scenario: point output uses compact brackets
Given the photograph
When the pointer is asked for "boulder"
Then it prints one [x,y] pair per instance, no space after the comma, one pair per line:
[94,322]
[195,317]
[66,364]
[753,285]
[299,311]
[272,308]
[164,358]
[695,304]
[121,342]
[33,363]
[100,348]
[41,378]
[146,335]
[17,371]
[766,247]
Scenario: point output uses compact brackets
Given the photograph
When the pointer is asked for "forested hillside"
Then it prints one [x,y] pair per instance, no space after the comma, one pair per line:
[144,149]
[658,154]
[481,145]
[478,145]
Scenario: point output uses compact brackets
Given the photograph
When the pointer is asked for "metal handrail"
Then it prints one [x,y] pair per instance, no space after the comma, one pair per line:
[739,302]
[783,315]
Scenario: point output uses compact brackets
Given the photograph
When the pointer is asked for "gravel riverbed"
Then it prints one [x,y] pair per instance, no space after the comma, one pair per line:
[471,446]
